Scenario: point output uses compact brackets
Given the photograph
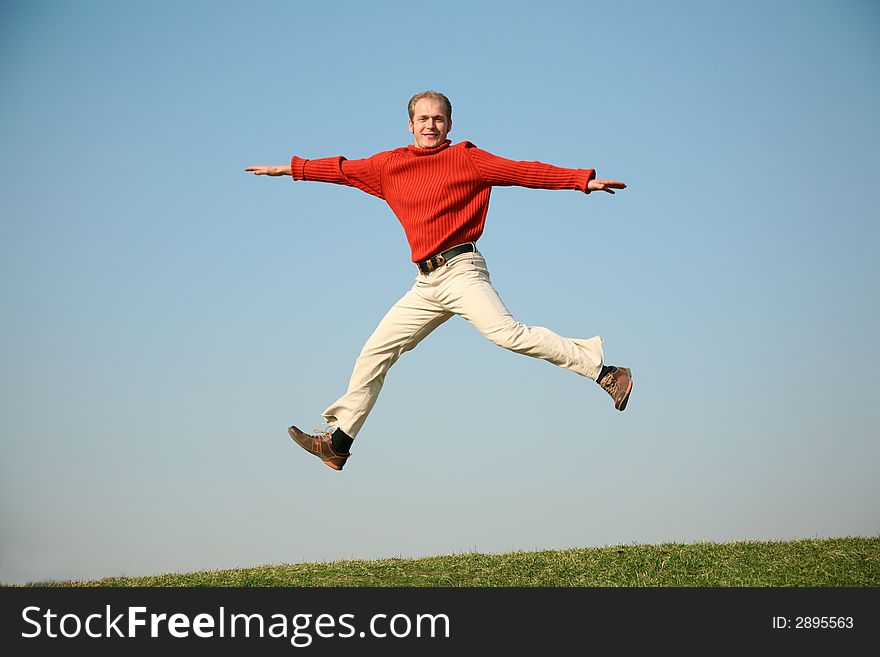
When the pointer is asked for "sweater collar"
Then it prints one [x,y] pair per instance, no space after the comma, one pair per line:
[415,150]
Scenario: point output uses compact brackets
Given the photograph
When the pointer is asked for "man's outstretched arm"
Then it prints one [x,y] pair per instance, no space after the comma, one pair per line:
[497,170]
[270,169]
[339,170]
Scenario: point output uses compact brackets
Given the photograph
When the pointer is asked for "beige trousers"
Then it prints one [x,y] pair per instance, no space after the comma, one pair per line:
[460,287]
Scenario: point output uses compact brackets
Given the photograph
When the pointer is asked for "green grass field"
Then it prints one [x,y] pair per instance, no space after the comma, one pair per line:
[832,562]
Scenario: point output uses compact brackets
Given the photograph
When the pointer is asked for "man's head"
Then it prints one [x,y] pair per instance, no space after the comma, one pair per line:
[430,118]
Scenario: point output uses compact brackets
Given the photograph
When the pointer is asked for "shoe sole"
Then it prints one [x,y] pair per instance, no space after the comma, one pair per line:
[625,399]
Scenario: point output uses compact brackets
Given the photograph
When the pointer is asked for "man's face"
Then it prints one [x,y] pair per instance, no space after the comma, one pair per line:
[429,124]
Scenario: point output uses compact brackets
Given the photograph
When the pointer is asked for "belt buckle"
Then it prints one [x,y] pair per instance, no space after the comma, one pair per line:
[432,263]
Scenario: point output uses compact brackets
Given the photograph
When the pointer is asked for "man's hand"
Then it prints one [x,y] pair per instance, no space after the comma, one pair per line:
[270,170]
[605,186]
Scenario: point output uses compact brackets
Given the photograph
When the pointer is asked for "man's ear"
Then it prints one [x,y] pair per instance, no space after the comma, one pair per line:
[412,127]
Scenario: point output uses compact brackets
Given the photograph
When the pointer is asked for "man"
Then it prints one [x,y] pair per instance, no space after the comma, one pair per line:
[439,192]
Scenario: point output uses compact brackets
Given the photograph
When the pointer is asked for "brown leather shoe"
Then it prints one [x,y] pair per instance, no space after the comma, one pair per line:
[321,446]
[618,383]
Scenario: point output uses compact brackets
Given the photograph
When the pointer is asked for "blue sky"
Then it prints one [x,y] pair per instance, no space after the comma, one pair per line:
[166,316]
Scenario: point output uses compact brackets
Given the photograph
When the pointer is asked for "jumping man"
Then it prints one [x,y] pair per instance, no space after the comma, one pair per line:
[439,192]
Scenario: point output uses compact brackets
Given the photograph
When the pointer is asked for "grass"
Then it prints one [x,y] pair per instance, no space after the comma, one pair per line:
[830,562]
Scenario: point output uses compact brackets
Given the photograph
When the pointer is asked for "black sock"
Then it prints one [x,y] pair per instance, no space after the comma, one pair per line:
[341,441]
[605,370]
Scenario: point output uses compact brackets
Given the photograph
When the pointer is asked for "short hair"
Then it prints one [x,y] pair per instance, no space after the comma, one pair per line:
[433,95]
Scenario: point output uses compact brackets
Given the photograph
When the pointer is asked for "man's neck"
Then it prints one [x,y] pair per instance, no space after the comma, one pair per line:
[426,151]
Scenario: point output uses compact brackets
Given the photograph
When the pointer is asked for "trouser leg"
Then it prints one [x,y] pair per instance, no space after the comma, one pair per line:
[467,291]
[406,324]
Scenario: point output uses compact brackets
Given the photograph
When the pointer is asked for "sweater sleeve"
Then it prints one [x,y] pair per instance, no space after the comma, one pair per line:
[537,175]
[364,174]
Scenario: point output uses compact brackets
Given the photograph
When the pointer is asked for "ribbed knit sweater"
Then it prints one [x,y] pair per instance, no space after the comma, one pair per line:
[440,195]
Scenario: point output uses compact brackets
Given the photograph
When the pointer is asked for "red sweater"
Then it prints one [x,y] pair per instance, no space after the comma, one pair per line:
[440,195]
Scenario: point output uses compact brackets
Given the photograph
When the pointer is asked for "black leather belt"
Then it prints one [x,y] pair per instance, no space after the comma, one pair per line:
[434,262]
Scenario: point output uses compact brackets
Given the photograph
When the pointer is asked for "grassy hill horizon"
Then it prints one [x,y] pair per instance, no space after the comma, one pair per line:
[852,561]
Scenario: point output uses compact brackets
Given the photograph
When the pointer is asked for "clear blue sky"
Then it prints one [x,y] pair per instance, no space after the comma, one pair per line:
[165,316]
